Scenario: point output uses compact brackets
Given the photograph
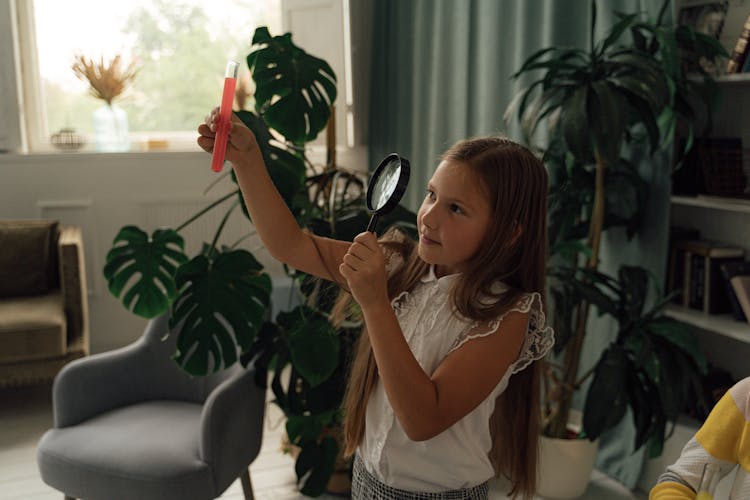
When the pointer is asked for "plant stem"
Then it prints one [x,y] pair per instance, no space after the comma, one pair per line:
[597,214]
[220,178]
[223,223]
[203,211]
[243,238]
[584,377]
[558,426]
[593,26]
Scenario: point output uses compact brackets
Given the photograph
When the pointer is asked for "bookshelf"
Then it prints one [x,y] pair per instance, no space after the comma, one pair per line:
[718,324]
[733,79]
[724,341]
[716,202]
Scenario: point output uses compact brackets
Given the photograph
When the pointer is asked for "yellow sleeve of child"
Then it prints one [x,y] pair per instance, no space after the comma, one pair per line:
[671,491]
[725,430]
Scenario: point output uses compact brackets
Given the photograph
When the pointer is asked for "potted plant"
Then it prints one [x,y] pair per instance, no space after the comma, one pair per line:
[603,106]
[107,81]
[294,93]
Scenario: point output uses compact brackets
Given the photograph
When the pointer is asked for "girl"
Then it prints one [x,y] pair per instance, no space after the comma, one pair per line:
[444,389]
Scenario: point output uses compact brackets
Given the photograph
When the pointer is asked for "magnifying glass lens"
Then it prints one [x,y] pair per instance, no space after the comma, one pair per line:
[387,185]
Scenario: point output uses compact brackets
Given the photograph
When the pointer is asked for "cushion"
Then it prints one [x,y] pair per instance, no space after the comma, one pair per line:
[32,328]
[146,451]
[28,257]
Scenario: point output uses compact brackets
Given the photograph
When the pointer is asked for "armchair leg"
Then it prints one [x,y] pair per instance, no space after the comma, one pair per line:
[247,486]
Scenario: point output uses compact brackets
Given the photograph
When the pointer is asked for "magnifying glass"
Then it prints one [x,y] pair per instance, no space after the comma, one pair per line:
[387,186]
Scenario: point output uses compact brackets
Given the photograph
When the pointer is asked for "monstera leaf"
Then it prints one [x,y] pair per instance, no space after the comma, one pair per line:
[220,308]
[315,465]
[146,268]
[294,91]
[286,169]
[312,342]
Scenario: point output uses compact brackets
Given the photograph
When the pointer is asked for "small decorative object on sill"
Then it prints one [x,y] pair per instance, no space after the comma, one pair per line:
[67,140]
[156,145]
[107,81]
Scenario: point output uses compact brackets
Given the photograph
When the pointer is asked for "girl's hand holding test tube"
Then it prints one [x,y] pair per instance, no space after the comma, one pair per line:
[224,122]
[241,147]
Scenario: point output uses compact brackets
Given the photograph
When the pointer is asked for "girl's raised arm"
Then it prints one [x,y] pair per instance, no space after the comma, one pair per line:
[274,222]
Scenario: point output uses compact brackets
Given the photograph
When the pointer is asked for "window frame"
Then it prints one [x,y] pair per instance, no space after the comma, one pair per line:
[12,137]
[32,128]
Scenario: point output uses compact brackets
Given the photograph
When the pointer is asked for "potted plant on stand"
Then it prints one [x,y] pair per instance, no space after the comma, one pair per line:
[604,106]
[306,355]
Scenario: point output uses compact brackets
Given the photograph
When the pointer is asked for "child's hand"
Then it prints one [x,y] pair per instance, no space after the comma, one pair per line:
[364,269]
[241,139]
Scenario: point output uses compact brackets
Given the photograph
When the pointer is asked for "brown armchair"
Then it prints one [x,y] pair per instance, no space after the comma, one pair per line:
[43,302]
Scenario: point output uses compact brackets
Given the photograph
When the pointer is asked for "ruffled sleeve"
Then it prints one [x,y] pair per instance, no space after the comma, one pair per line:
[539,338]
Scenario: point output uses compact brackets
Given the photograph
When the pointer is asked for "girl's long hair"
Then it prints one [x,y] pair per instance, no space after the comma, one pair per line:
[514,250]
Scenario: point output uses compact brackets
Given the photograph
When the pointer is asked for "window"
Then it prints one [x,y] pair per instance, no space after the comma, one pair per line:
[178,47]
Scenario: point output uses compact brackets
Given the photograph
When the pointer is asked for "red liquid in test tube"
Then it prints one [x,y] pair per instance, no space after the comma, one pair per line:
[225,116]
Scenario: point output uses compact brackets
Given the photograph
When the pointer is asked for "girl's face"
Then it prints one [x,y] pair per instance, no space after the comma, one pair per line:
[453,218]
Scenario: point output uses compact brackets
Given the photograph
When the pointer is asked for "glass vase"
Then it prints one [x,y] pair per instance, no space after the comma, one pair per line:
[111,129]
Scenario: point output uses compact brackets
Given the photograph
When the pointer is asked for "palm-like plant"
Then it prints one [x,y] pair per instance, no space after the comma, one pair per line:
[599,103]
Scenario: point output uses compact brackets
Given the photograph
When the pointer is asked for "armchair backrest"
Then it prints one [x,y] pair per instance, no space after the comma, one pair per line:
[169,381]
[28,257]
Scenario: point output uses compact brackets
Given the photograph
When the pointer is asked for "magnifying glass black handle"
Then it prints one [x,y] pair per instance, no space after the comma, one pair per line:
[373,223]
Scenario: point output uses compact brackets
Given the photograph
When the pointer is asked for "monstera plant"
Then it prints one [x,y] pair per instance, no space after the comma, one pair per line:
[220,298]
[151,274]
[606,108]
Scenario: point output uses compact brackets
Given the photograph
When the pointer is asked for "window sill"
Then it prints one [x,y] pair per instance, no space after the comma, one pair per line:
[96,155]
[354,158]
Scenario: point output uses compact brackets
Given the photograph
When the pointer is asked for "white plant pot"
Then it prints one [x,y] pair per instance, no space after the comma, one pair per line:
[565,467]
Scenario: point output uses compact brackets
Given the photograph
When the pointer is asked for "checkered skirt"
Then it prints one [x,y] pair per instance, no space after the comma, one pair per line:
[365,486]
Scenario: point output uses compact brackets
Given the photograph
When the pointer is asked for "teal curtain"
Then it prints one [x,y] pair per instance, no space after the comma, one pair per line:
[441,73]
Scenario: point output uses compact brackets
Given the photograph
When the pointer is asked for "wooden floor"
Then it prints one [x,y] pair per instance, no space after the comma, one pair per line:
[26,413]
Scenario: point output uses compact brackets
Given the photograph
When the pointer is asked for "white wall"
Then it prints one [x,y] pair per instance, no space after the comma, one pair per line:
[103,192]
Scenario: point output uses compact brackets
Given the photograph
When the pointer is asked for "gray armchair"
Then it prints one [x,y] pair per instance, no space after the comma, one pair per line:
[131,424]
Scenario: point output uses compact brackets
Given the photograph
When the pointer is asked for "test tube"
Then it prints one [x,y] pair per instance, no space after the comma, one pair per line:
[225,116]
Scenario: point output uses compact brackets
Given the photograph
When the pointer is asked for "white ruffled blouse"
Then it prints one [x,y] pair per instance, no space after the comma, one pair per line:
[457,457]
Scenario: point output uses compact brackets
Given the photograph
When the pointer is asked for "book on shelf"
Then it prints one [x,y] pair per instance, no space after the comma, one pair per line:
[675,268]
[728,271]
[741,287]
[703,285]
[739,54]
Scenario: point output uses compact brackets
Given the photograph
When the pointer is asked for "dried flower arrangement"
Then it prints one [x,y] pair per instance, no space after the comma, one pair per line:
[107,80]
